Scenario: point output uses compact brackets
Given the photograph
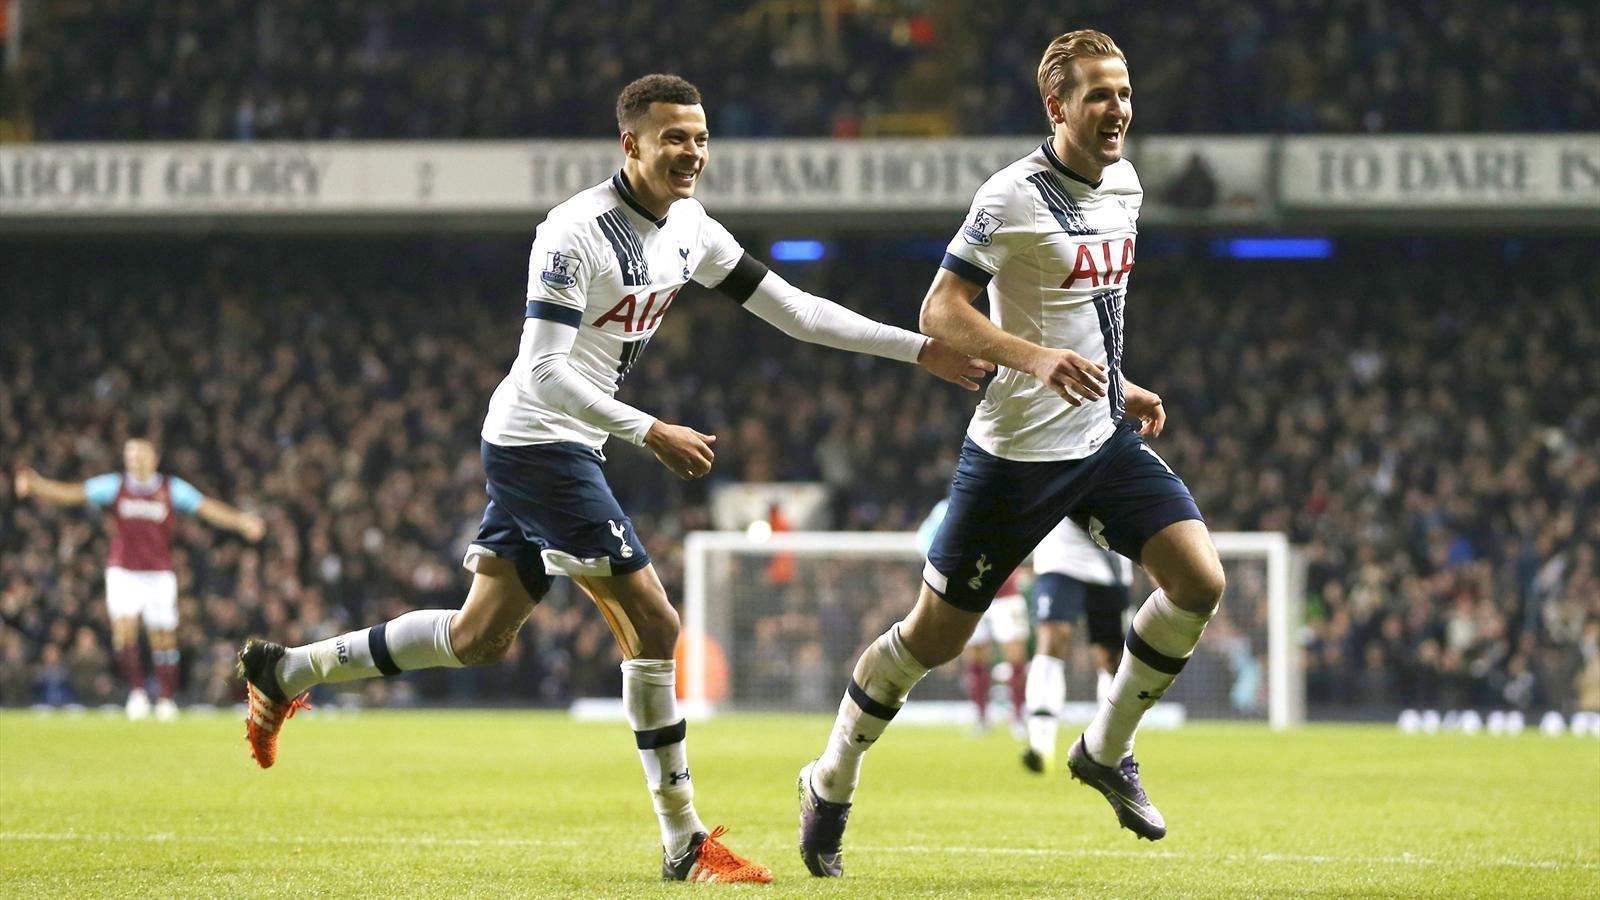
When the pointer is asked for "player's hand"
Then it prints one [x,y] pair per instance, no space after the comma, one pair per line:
[24,482]
[253,527]
[684,451]
[1078,380]
[952,365]
[1145,405]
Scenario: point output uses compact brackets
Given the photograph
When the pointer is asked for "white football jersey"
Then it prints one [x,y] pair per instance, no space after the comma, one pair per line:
[1056,253]
[1068,550]
[603,264]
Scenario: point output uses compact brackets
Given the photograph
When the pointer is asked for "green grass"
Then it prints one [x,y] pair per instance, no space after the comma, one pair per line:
[449,804]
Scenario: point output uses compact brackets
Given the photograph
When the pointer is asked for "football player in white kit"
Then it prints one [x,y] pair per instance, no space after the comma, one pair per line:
[1074,579]
[1059,434]
[605,268]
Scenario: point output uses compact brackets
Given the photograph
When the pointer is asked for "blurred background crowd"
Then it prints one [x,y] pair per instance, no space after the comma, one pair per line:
[312,69]
[1418,414]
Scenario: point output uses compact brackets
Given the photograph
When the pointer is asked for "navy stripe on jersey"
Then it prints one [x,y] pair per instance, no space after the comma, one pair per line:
[966,270]
[630,355]
[1062,206]
[555,312]
[626,244]
[1108,306]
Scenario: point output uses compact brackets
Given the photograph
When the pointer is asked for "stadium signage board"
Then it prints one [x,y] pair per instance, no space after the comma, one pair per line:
[1482,172]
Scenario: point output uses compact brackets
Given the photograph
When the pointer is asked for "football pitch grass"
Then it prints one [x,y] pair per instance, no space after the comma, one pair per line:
[501,804]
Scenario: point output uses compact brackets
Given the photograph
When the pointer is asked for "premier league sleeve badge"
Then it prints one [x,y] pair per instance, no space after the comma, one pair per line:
[560,270]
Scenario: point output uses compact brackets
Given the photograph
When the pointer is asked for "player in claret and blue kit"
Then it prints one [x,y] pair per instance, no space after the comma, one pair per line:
[606,267]
[1059,434]
[140,583]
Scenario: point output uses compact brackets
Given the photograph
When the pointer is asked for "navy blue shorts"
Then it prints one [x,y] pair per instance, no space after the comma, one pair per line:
[1000,509]
[551,512]
[1062,598]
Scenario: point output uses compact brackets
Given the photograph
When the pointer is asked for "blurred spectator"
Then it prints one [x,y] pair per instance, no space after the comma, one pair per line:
[1420,416]
[302,69]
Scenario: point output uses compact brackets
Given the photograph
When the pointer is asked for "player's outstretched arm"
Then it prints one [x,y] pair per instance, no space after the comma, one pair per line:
[221,515]
[29,483]
[819,320]
[1144,405]
[948,315]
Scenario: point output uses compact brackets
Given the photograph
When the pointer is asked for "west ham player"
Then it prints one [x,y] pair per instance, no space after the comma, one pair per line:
[1058,435]
[1076,579]
[605,268]
[1004,623]
[139,579]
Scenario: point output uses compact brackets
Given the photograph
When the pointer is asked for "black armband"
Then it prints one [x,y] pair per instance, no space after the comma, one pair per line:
[742,281]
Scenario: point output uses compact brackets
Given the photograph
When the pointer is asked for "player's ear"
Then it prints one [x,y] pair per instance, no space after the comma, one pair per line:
[1052,109]
[630,145]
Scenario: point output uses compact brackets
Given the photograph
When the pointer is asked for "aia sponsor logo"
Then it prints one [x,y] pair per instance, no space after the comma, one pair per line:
[635,317]
[1094,264]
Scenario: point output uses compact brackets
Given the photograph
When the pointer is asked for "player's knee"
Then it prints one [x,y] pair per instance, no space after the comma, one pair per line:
[1201,590]
[656,622]
[1054,638]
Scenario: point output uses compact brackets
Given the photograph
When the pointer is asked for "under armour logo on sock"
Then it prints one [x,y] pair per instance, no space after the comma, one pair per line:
[983,566]
[622,536]
[1150,697]
[675,777]
[863,739]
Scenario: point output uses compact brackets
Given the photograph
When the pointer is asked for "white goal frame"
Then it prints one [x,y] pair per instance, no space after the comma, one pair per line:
[1285,678]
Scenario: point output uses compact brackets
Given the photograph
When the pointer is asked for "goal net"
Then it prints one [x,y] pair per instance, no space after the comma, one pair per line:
[775,622]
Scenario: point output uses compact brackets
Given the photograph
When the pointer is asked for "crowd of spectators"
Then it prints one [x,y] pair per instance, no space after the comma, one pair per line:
[1420,417]
[310,69]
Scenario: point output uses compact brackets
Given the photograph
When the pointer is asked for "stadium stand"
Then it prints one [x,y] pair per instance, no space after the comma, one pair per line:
[134,70]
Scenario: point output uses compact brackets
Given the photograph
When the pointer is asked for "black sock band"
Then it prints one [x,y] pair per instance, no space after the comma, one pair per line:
[655,738]
[868,705]
[1151,657]
[378,645]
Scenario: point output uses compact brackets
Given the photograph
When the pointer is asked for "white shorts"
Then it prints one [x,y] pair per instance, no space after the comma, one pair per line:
[152,596]
[1005,622]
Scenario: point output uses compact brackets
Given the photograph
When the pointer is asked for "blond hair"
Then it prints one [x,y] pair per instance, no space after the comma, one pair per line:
[1055,69]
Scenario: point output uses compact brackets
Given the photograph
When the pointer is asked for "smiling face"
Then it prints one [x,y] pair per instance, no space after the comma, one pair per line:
[667,149]
[1091,117]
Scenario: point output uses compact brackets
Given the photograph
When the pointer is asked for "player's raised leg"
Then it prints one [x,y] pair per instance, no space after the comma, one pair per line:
[884,675]
[646,627]
[1166,629]
[277,678]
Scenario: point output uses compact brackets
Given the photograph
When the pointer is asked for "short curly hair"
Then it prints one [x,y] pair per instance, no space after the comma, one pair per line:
[635,99]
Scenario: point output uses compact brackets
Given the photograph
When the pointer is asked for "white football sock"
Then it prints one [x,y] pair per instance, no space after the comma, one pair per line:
[883,677]
[1159,643]
[649,694]
[1102,686]
[420,639]
[1046,694]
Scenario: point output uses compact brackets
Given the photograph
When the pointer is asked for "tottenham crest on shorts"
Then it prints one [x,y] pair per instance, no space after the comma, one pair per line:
[981,229]
[559,270]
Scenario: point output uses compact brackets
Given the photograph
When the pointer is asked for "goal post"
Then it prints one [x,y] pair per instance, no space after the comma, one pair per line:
[774,621]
